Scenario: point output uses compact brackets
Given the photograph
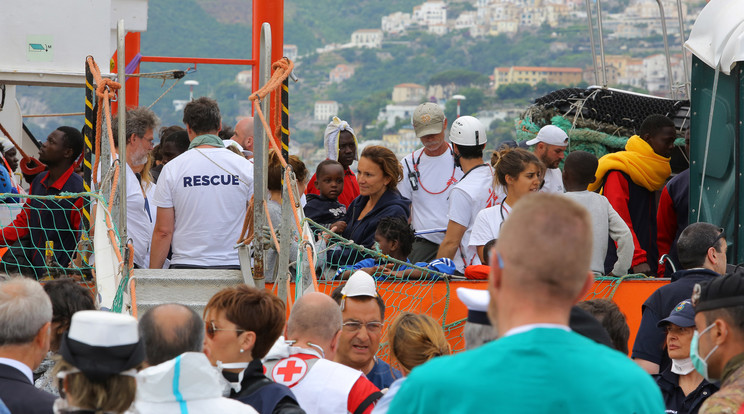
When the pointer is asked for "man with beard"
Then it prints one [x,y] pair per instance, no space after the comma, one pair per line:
[43,222]
[550,147]
[429,176]
[139,126]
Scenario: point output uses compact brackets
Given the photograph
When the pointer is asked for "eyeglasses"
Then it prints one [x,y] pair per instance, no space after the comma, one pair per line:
[211,329]
[353,326]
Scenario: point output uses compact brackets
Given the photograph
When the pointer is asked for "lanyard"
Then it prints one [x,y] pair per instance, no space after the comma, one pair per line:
[415,176]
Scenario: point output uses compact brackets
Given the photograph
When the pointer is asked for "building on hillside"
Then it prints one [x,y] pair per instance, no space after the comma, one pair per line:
[508,27]
[340,73]
[438,29]
[466,20]
[290,51]
[535,74]
[396,23]
[393,113]
[244,78]
[324,110]
[402,142]
[408,93]
[430,13]
[369,38]
[656,73]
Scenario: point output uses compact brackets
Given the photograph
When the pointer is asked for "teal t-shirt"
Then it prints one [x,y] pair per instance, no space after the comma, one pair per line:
[543,370]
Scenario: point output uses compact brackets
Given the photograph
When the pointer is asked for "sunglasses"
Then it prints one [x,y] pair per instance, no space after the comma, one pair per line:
[210,329]
[721,235]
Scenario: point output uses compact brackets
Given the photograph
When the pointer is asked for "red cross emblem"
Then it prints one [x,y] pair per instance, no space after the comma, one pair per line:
[289,371]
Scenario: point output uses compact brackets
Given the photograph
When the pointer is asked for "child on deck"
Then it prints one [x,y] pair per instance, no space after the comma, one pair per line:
[394,237]
[578,172]
[325,209]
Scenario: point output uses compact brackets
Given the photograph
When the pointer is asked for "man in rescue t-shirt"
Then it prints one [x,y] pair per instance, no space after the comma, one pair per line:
[429,174]
[471,194]
[202,196]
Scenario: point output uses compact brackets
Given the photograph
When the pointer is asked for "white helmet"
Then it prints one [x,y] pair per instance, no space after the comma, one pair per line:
[469,131]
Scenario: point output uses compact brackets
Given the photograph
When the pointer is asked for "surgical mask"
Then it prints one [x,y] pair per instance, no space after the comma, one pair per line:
[682,366]
[227,386]
[700,364]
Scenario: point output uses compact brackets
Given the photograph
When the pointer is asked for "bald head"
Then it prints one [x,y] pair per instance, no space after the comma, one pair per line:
[244,133]
[546,246]
[170,330]
[315,316]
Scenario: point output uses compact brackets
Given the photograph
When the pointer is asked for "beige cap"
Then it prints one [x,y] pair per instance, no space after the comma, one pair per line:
[428,118]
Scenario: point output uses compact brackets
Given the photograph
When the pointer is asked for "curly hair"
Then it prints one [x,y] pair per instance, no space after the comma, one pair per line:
[397,228]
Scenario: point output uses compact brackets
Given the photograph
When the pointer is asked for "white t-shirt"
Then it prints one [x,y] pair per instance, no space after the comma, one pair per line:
[209,189]
[553,181]
[488,224]
[605,220]
[141,214]
[471,194]
[436,178]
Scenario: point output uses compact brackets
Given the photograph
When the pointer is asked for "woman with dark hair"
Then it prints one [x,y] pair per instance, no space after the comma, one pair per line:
[242,323]
[378,177]
[68,297]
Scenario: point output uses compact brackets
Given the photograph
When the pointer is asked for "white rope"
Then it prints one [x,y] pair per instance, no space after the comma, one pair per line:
[707,140]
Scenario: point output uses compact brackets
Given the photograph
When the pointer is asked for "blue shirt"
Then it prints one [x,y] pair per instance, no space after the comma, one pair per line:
[443,265]
[542,370]
[382,374]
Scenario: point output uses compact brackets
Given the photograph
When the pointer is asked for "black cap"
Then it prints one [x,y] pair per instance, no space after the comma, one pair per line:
[720,292]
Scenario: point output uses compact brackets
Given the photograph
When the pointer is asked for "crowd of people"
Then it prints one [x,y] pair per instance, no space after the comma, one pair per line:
[538,233]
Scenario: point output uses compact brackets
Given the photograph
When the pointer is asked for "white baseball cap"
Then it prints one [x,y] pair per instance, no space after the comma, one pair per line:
[552,135]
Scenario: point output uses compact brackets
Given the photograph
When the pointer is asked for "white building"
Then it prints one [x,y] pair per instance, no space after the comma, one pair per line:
[466,20]
[370,38]
[430,13]
[324,110]
[340,73]
[245,78]
[438,29]
[393,113]
[290,51]
[396,23]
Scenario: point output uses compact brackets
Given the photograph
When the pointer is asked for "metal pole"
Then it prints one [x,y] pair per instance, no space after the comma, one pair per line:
[121,194]
[601,43]
[287,212]
[591,39]
[684,51]
[260,152]
[666,51]
[90,116]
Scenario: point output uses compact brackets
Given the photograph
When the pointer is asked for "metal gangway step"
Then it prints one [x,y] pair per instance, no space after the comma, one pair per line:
[190,287]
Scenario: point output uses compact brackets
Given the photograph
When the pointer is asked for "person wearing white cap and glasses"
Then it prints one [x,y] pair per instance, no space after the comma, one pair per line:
[304,361]
[429,174]
[471,194]
[550,147]
[363,312]
[100,356]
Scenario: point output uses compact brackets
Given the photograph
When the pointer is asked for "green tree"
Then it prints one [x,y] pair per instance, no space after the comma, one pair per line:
[514,91]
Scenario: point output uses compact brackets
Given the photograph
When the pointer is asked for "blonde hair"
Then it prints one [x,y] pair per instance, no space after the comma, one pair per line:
[415,339]
[116,394]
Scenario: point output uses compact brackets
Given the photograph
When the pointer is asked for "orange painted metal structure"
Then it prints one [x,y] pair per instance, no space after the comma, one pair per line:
[440,298]
[264,11]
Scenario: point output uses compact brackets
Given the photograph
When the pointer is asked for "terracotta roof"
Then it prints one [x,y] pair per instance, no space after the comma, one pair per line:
[409,85]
